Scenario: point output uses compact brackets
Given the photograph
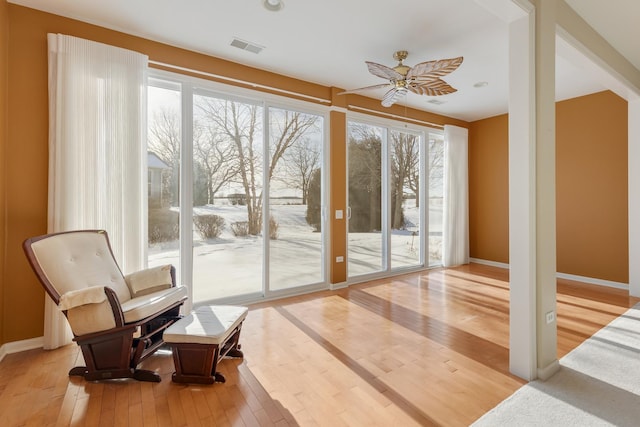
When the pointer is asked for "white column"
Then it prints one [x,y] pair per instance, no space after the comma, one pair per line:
[522,202]
[545,56]
[634,195]
[532,210]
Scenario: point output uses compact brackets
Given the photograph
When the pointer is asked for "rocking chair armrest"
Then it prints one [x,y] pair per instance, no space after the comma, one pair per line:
[150,280]
[96,316]
[76,298]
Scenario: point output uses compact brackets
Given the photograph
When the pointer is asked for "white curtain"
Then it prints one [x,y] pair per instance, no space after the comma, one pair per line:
[455,227]
[97,151]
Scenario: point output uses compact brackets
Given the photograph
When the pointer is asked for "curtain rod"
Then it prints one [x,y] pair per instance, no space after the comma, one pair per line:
[394,116]
[288,92]
[243,82]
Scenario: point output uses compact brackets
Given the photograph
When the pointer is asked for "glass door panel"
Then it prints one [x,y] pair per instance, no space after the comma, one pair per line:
[295,194]
[227,198]
[365,239]
[163,164]
[436,191]
[404,202]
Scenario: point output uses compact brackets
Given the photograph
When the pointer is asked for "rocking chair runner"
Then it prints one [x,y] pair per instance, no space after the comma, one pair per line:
[117,321]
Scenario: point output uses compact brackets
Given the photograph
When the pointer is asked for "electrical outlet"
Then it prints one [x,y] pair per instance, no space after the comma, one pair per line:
[339,259]
[551,316]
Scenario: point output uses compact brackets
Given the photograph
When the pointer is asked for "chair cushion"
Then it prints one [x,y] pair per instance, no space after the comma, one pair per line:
[73,261]
[147,305]
[206,325]
[149,281]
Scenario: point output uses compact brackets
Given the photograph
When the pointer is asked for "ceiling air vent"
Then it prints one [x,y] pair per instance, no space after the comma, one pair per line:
[245,45]
[436,102]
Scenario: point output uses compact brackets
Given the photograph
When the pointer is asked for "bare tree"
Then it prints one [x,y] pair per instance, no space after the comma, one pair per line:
[287,130]
[164,134]
[365,148]
[299,164]
[404,172]
[216,157]
[365,178]
[164,140]
[240,123]
[436,165]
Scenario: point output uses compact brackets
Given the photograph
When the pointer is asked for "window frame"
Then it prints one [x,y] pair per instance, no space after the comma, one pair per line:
[190,86]
[390,125]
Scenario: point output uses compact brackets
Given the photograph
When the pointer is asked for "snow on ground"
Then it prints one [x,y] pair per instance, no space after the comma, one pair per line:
[229,265]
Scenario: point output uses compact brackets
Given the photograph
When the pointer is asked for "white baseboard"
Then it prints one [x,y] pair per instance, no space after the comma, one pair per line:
[548,371]
[593,281]
[18,346]
[489,263]
[583,279]
[336,286]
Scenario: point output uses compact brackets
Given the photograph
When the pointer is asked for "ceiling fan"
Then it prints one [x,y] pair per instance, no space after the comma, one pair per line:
[421,79]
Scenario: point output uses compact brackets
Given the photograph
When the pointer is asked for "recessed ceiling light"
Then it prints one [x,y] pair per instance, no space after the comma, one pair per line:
[273,5]
[481,84]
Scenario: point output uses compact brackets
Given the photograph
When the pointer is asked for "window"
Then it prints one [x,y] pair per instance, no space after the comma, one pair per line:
[244,182]
[436,191]
[237,192]
[163,163]
[366,239]
[404,200]
[387,171]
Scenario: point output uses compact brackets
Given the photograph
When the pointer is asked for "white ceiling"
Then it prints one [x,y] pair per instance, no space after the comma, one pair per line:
[327,41]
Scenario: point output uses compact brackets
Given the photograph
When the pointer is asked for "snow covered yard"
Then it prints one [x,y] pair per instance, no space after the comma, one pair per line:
[230,265]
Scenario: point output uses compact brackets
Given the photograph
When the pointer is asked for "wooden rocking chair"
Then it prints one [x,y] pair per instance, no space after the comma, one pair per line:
[117,321]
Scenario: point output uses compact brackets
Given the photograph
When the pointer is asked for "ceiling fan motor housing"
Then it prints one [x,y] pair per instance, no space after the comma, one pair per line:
[400,56]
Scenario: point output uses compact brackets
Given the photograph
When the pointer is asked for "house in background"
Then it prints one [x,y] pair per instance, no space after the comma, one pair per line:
[156,168]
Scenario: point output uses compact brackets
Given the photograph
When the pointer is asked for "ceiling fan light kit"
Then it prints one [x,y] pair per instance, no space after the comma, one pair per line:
[273,5]
[421,79]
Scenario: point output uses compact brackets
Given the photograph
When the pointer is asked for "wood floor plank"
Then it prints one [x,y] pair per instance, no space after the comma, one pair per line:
[149,414]
[409,350]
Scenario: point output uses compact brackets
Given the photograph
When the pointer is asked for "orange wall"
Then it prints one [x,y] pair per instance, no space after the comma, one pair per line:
[489,189]
[591,174]
[591,187]
[26,142]
[4,82]
[338,197]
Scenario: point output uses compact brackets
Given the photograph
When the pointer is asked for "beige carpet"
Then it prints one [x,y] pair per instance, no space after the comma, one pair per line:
[598,384]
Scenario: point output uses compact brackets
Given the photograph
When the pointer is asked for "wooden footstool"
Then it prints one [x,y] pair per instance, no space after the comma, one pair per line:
[200,339]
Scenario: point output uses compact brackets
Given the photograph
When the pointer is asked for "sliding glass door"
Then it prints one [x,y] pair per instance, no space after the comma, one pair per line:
[404,199]
[228,246]
[163,170]
[296,255]
[249,200]
[366,240]
[436,190]
[387,171]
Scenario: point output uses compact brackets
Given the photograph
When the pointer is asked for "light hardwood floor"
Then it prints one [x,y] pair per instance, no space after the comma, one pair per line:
[428,348]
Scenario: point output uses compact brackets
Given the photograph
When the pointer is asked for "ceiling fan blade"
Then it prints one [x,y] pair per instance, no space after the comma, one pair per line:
[363,89]
[383,71]
[393,95]
[434,69]
[433,87]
